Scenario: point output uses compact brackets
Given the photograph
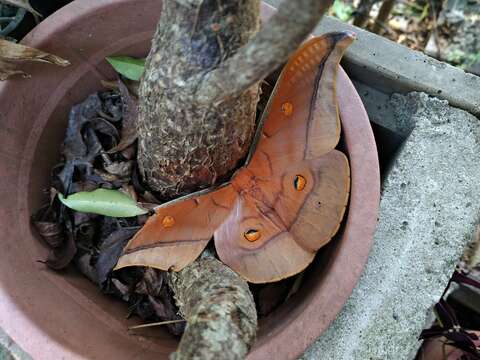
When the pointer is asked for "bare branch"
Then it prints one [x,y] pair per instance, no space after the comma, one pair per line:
[265,52]
[222,320]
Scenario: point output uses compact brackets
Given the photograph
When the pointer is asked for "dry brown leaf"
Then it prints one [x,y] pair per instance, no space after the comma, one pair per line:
[110,85]
[7,70]
[121,169]
[11,53]
[130,114]
[24,4]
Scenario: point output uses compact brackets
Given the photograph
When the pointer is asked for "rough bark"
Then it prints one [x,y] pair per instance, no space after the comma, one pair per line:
[219,309]
[183,146]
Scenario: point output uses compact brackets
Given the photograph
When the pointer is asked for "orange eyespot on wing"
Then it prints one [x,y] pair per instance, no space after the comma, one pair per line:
[299,182]
[252,235]
[287,108]
[178,232]
[273,256]
[292,227]
[168,221]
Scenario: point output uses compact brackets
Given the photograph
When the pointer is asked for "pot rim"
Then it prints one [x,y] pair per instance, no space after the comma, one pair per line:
[351,251]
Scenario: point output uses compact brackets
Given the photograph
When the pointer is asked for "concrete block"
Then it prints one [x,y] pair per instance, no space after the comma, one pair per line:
[9,350]
[428,212]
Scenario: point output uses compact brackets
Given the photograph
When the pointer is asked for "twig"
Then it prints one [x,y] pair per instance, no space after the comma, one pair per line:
[266,51]
[156,324]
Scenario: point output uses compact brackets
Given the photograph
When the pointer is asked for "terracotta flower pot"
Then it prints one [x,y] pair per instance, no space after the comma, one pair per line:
[62,315]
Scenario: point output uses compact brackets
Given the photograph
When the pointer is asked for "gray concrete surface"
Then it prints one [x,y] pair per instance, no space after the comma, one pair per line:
[377,104]
[9,350]
[428,212]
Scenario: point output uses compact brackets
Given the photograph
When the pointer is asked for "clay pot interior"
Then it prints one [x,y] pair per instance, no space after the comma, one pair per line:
[64,314]
[47,155]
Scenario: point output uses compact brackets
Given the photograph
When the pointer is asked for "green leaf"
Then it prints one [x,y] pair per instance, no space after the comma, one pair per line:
[103,202]
[129,67]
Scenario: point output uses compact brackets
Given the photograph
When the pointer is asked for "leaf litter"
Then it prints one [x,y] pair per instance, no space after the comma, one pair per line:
[94,167]
[12,54]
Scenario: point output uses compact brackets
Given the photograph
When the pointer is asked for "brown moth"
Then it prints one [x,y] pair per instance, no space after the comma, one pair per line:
[287,201]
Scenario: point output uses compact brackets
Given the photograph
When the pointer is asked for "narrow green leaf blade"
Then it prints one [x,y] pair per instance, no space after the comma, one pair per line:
[106,202]
[127,66]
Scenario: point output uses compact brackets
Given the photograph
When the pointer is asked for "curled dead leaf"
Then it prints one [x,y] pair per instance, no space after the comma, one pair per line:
[48,226]
[105,128]
[84,264]
[105,176]
[130,152]
[122,289]
[60,257]
[130,114]
[51,232]
[11,53]
[111,250]
[120,169]
[152,282]
[109,85]
[7,70]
